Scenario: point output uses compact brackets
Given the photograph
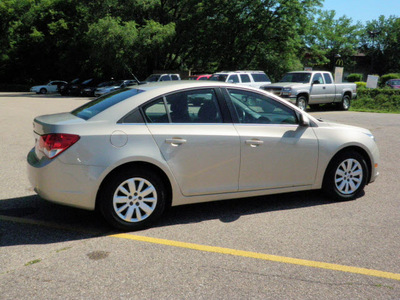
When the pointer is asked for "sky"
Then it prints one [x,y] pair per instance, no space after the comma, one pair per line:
[363,10]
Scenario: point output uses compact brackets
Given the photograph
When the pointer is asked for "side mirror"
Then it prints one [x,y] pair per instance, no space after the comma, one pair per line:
[315,82]
[304,120]
[230,81]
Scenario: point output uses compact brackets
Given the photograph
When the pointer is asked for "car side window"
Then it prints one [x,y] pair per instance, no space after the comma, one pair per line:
[174,77]
[254,108]
[198,106]
[328,78]
[245,77]
[318,79]
[165,78]
[233,78]
[156,112]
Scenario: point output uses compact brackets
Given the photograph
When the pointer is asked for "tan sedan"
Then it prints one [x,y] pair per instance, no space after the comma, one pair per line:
[137,151]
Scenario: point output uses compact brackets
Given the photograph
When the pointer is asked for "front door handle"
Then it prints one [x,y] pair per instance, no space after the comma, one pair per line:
[254,142]
[175,141]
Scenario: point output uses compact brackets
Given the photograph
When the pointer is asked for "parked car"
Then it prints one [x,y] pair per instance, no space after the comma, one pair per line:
[71,87]
[137,151]
[393,83]
[114,86]
[247,78]
[51,87]
[200,77]
[313,88]
[88,87]
[162,77]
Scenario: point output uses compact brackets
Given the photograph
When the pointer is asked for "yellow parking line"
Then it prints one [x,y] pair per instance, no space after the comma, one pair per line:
[275,258]
[220,250]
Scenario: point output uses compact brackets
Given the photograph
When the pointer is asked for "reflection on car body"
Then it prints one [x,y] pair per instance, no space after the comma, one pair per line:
[134,152]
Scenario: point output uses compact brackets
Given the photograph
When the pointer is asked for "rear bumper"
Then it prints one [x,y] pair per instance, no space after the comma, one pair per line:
[72,185]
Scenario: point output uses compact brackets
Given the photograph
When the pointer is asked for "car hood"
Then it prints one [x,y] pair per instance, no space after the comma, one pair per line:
[327,123]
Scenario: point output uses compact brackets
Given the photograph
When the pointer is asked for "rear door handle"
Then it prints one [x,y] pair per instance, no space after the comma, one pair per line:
[175,141]
[254,142]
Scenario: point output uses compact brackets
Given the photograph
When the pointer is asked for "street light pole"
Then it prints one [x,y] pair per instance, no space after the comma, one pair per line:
[373,34]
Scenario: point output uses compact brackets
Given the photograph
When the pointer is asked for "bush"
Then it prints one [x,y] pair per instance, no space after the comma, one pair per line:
[354,77]
[361,84]
[386,77]
[378,100]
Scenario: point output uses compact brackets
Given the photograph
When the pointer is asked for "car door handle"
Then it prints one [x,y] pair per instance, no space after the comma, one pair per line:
[175,141]
[254,142]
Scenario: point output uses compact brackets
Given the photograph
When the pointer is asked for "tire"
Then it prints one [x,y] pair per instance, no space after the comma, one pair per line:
[133,200]
[346,176]
[43,91]
[301,103]
[345,103]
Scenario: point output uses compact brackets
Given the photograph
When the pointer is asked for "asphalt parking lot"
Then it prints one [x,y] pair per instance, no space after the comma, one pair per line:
[291,246]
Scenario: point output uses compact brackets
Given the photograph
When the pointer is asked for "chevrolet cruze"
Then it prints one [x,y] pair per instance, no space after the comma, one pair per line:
[135,152]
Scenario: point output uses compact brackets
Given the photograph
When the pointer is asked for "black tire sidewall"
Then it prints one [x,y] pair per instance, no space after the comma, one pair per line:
[43,91]
[107,194]
[329,186]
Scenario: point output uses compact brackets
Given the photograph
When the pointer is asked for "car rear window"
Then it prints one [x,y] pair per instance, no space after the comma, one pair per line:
[92,108]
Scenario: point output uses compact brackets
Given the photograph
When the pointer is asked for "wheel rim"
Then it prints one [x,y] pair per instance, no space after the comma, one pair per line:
[135,200]
[348,176]
[301,103]
[346,103]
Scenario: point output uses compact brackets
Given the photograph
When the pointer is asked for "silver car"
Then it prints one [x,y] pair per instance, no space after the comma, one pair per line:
[135,152]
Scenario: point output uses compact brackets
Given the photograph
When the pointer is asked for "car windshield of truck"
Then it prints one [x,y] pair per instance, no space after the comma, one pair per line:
[219,77]
[296,77]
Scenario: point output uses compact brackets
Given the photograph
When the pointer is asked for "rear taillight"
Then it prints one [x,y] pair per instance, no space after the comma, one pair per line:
[55,143]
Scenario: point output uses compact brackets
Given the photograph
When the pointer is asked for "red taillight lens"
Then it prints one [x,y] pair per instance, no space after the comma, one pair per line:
[55,143]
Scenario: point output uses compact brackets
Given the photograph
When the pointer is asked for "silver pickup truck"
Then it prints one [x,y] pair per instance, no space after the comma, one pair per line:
[313,88]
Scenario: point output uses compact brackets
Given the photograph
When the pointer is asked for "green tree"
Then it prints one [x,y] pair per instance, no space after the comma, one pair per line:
[328,37]
[380,41]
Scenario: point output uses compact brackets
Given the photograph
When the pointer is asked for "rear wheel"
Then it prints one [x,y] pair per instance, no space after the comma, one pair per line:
[133,200]
[345,103]
[301,103]
[346,176]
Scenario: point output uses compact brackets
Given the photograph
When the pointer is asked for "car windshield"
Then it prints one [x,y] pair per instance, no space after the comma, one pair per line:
[219,77]
[153,78]
[107,83]
[118,82]
[395,82]
[296,77]
[98,105]
[87,81]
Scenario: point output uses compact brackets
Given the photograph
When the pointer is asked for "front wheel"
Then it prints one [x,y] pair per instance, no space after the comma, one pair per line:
[346,176]
[43,91]
[301,103]
[133,200]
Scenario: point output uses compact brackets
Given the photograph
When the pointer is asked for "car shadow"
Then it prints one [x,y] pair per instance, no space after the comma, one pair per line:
[32,220]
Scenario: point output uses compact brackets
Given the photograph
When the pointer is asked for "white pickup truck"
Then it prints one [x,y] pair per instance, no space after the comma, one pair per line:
[313,88]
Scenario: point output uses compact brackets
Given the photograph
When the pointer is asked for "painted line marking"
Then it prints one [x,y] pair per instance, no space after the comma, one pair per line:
[220,250]
[268,257]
